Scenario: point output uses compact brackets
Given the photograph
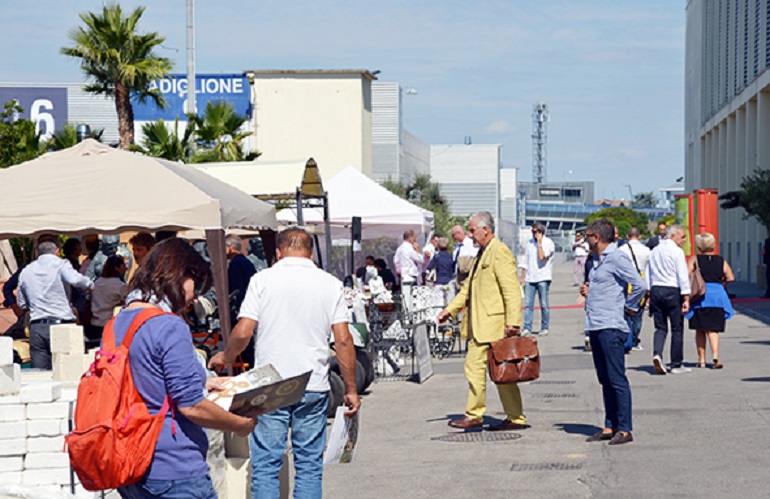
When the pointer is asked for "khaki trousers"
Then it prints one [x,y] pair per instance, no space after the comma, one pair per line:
[476,374]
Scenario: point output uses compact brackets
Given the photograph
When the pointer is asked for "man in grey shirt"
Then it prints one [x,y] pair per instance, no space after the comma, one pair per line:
[44,289]
[607,302]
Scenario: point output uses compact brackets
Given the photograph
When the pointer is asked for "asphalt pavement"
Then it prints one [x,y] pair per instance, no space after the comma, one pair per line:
[703,434]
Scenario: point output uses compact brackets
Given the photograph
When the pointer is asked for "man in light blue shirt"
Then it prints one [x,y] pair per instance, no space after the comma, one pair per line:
[608,301]
[44,290]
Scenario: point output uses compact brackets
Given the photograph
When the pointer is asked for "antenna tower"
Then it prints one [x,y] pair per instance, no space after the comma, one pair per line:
[540,118]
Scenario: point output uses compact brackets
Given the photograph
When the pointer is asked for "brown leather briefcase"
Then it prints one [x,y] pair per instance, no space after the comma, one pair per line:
[513,360]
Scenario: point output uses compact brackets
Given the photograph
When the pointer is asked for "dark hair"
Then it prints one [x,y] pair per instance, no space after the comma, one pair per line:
[70,245]
[369,257]
[294,239]
[111,266]
[408,234]
[165,269]
[144,239]
[603,229]
[380,264]
[91,243]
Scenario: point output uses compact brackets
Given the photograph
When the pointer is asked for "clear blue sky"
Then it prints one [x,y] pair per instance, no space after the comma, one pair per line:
[612,71]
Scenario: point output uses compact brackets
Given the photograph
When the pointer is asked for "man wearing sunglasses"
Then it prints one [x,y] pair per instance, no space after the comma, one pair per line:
[536,274]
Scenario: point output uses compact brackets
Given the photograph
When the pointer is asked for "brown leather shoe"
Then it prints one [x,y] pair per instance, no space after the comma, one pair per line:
[465,423]
[507,425]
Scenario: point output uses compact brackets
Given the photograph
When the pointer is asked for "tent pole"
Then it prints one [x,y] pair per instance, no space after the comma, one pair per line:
[215,241]
[328,231]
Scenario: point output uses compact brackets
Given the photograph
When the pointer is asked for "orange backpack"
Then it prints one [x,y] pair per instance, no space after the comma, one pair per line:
[115,435]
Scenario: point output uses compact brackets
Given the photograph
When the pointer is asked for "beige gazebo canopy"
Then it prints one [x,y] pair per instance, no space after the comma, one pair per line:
[93,188]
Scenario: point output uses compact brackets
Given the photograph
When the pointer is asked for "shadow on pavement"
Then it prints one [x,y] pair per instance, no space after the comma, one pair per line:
[645,369]
[762,379]
[577,429]
[448,417]
[757,342]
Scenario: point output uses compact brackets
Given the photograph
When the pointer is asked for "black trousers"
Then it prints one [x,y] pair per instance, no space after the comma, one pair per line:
[666,303]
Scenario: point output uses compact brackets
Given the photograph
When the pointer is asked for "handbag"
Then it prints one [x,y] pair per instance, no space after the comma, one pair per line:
[515,359]
[697,284]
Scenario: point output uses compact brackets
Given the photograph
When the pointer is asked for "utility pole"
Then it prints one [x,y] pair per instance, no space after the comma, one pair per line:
[540,118]
[191,107]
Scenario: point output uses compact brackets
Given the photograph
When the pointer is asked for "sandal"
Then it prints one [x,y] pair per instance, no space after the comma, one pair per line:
[717,364]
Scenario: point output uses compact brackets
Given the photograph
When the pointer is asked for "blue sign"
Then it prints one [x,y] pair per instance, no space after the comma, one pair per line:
[232,88]
[46,106]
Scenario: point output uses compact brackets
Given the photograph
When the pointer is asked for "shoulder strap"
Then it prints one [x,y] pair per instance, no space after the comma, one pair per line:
[108,338]
[634,257]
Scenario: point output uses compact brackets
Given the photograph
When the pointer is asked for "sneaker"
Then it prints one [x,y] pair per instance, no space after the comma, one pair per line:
[680,370]
[525,332]
[588,344]
[638,348]
[657,362]
[544,332]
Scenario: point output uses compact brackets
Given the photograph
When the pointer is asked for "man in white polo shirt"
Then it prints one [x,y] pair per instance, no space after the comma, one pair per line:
[294,307]
[408,262]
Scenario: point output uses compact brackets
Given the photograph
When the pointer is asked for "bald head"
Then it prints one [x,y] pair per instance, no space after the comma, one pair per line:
[294,242]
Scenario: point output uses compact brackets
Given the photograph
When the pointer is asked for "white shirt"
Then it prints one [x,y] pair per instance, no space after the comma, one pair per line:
[581,249]
[539,270]
[641,252]
[668,267]
[44,288]
[466,248]
[108,293]
[295,305]
[431,251]
[408,262]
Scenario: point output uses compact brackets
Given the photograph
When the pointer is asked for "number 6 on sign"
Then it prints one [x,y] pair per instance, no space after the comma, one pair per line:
[39,115]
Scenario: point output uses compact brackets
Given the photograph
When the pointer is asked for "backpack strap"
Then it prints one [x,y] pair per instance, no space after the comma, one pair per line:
[142,317]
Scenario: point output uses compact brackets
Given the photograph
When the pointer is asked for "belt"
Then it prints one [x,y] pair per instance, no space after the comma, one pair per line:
[51,321]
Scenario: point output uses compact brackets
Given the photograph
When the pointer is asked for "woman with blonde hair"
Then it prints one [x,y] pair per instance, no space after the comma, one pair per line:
[707,316]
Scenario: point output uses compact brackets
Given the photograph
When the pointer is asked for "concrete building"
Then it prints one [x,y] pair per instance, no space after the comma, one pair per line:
[727,112]
[559,192]
[469,176]
[396,153]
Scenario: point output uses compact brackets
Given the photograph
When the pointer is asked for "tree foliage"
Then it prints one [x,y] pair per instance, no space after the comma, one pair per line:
[19,142]
[645,200]
[668,220]
[68,137]
[623,219]
[753,197]
[429,198]
[160,142]
[119,61]
[219,134]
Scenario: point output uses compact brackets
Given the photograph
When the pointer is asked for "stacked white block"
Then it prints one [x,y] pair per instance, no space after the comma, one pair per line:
[33,424]
[67,347]
[10,373]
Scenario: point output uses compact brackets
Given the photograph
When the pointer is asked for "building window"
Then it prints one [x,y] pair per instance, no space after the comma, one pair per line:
[573,193]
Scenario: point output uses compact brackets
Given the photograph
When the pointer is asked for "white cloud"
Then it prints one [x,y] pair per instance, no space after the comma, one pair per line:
[500,126]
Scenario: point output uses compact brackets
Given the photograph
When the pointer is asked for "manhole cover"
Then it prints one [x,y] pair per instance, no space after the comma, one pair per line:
[555,395]
[396,377]
[552,382]
[479,436]
[546,466]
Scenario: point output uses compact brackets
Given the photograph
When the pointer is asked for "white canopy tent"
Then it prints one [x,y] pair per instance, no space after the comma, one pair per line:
[93,188]
[353,194]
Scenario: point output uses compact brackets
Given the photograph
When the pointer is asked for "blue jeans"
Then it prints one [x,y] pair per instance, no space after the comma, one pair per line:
[610,363]
[542,288]
[635,327]
[190,488]
[307,420]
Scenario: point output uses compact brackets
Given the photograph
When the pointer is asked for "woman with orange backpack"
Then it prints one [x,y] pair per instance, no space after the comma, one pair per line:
[160,397]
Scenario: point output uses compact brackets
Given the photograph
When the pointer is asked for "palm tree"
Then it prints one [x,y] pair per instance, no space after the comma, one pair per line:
[68,137]
[119,61]
[159,142]
[219,134]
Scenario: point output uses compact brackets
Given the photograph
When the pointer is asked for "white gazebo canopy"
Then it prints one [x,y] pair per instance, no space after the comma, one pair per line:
[353,194]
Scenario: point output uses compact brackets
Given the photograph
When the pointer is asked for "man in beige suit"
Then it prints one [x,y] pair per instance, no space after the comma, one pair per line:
[491,298]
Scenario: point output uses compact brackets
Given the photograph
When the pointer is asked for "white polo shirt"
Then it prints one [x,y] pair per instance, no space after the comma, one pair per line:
[295,305]
[667,267]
